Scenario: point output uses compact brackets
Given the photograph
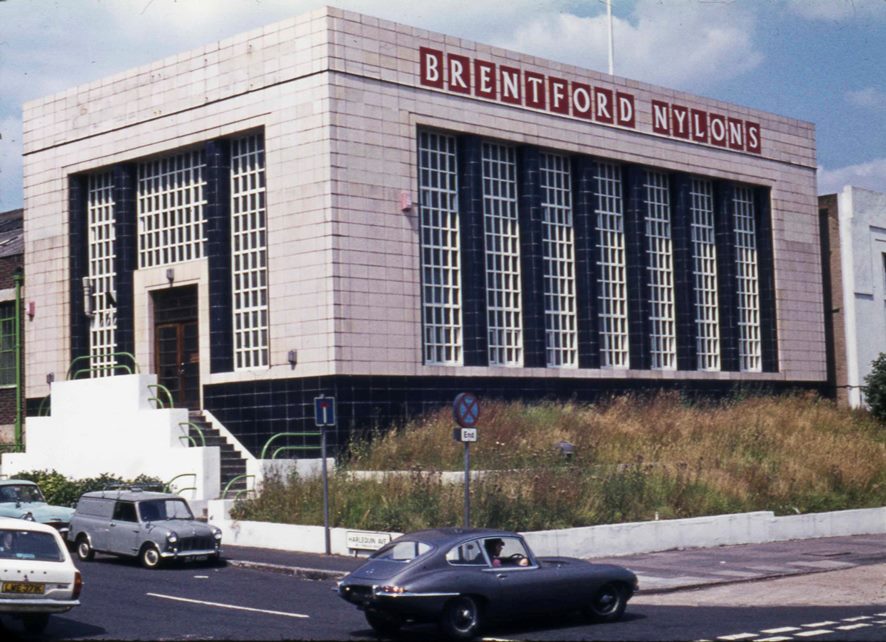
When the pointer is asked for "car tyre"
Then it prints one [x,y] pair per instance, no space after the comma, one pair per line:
[85,552]
[607,604]
[383,623]
[461,618]
[149,556]
[36,623]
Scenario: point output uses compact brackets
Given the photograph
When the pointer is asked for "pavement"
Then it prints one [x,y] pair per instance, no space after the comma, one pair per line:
[662,572]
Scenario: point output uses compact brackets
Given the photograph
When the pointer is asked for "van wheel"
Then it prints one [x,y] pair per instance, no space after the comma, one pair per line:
[149,556]
[84,550]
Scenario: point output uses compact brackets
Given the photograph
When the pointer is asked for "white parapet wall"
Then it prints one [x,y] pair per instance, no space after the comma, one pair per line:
[585,542]
[110,425]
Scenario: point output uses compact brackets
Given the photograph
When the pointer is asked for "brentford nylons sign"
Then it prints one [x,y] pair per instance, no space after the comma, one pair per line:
[468,76]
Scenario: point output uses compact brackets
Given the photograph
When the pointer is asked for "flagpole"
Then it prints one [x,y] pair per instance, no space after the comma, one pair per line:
[611,43]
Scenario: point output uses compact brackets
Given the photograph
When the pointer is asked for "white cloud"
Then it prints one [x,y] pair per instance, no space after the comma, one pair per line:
[869,98]
[690,46]
[838,10]
[870,175]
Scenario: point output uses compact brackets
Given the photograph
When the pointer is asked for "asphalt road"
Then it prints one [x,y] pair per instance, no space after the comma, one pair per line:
[122,601]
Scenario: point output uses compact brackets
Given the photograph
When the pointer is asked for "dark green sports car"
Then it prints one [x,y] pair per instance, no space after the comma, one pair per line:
[463,578]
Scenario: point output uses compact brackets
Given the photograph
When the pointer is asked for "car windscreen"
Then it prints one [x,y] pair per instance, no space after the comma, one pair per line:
[402,551]
[155,510]
[20,493]
[29,545]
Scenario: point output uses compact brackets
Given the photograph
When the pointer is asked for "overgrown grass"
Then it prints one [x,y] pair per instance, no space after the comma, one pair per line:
[634,459]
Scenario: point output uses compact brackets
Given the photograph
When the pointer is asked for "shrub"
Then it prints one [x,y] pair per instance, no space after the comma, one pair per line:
[875,388]
[62,491]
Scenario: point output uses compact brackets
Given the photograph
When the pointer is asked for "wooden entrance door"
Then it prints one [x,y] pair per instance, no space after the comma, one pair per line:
[176,344]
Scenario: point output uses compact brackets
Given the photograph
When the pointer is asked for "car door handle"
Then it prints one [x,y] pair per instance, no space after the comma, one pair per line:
[501,576]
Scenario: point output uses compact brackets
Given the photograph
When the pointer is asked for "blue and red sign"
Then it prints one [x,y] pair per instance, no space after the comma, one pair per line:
[466,410]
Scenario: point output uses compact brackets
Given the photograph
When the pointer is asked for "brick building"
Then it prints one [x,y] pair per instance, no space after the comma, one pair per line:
[340,205]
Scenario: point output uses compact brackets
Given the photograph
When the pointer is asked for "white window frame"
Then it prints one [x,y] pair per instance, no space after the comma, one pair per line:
[660,270]
[440,249]
[611,268]
[747,281]
[558,252]
[101,274]
[502,252]
[249,252]
[704,275]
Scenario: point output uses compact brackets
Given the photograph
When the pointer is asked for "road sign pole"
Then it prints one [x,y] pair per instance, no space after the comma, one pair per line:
[467,484]
[325,490]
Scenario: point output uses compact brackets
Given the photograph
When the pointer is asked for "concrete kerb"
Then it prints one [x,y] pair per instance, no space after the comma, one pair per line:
[298,571]
[611,540]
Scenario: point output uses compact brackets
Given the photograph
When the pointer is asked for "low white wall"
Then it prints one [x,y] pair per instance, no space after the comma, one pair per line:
[590,541]
[306,468]
[109,425]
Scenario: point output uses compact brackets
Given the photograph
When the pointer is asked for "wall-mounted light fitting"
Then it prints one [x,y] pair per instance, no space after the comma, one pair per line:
[50,377]
[405,201]
[170,275]
[32,309]
[292,357]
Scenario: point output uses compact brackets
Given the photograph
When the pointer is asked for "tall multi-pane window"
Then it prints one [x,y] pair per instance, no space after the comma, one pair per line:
[613,297]
[101,249]
[747,281]
[7,343]
[170,209]
[249,249]
[558,250]
[704,275]
[440,259]
[660,271]
[502,236]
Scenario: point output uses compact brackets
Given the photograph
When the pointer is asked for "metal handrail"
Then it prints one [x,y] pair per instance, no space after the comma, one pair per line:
[160,388]
[287,434]
[237,478]
[168,485]
[74,374]
[41,409]
[191,424]
[282,448]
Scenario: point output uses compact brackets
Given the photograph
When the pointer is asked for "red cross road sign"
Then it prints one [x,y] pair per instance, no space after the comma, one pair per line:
[466,410]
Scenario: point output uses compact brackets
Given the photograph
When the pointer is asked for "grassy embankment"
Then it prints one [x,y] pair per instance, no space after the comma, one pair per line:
[633,460]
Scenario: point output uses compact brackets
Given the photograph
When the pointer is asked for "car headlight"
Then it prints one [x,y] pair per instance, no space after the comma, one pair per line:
[28,516]
[172,537]
[217,534]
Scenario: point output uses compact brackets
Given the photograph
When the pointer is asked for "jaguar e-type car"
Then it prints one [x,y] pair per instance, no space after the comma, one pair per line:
[464,578]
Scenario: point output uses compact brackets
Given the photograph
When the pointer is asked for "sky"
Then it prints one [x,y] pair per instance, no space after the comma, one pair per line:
[822,61]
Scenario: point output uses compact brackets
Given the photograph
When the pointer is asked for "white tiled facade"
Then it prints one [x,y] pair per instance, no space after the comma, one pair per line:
[339,100]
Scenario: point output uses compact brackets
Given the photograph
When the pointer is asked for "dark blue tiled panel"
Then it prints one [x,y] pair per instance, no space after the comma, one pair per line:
[684,284]
[78,265]
[531,258]
[218,248]
[584,191]
[473,260]
[366,403]
[726,275]
[766,271]
[126,253]
[637,265]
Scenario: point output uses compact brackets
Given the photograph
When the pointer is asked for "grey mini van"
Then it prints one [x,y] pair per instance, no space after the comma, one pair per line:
[150,526]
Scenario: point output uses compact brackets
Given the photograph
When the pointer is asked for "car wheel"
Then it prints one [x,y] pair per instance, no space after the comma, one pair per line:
[35,623]
[149,556]
[607,604]
[382,623]
[84,550]
[461,618]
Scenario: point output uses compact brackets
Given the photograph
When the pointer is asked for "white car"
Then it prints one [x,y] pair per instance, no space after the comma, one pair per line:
[37,575]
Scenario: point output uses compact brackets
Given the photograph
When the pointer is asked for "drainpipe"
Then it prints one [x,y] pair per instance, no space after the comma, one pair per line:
[18,278]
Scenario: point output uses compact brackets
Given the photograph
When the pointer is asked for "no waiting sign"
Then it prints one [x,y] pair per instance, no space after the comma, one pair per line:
[466,410]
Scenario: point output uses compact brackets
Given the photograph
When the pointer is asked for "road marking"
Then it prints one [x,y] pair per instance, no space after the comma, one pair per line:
[809,634]
[857,619]
[819,624]
[852,627]
[226,606]
[775,638]
[737,636]
[784,629]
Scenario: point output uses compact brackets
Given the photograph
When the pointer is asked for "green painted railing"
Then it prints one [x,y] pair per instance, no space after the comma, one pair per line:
[191,424]
[241,491]
[168,486]
[267,445]
[127,369]
[159,387]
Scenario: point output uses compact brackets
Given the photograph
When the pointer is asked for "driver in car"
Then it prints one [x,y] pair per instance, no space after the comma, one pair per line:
[494,547]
